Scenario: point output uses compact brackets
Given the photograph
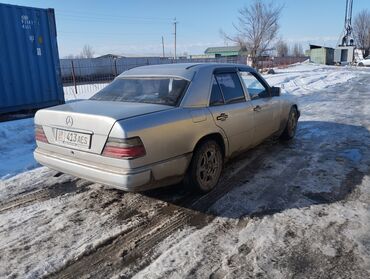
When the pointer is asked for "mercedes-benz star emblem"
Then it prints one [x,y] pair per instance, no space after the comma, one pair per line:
[69,120]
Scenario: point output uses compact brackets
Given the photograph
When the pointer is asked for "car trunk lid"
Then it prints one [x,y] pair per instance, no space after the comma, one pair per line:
[85,125]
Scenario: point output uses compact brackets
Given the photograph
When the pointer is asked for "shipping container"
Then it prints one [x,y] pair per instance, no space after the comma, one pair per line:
[321,55]
[30,75]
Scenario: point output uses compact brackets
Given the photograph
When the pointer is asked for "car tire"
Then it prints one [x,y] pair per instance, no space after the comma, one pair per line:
[361,64]
[205,168]
[291,125]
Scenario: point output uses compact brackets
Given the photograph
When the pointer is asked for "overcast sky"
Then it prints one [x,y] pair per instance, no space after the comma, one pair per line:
[136,27]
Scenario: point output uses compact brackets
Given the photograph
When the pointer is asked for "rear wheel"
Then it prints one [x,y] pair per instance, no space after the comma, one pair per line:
[291,126]
[205,168]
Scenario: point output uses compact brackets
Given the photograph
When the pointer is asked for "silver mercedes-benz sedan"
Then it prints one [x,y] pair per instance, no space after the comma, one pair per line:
[159,125]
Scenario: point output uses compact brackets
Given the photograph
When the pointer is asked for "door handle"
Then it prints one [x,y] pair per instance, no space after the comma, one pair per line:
[257,108]
[222,117]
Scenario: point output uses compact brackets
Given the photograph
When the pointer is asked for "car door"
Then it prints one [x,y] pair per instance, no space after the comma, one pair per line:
[266,109]
[231,111]
[367,61]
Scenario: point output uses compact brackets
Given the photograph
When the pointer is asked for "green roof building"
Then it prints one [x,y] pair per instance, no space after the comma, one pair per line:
[227,51]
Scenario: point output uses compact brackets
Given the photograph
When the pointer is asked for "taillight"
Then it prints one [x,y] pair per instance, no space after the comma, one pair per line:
[39,134]
[124,148]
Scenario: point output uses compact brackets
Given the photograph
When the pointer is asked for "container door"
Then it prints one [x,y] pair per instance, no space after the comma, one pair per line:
[344,55]
[29,68]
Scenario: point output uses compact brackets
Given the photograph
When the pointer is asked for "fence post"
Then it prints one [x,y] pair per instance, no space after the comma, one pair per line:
[74,77]
[115,67]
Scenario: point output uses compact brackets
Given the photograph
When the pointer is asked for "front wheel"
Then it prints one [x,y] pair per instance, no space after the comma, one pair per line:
[291,126]
[205,168]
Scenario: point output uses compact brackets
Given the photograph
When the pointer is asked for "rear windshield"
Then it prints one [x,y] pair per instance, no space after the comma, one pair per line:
[166,91]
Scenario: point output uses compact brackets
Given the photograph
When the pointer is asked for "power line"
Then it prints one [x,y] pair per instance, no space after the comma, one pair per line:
[99,15]
[108,33]
[175,25]
[108,20]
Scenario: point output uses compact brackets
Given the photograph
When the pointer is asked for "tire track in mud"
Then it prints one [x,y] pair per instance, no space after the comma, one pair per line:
[44,194]
[133,250]
[125,248]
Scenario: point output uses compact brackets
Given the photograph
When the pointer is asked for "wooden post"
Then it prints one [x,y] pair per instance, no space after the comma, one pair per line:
[115,67]
[74,77]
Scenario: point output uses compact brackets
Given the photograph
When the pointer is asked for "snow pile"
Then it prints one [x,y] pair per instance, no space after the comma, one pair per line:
[308,78]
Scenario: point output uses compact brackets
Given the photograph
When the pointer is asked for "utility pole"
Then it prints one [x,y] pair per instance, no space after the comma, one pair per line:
[162,47]
[175,24]
[347,39]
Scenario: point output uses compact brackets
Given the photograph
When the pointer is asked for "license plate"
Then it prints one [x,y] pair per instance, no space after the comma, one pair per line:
[73,138]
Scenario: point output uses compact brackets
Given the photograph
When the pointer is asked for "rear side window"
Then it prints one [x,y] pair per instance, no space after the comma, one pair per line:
[216,95]
[231,88]
[166,91]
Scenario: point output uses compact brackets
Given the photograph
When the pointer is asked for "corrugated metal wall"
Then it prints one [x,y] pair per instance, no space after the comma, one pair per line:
[29,60]
[107,66]
[104,66]
[322,56]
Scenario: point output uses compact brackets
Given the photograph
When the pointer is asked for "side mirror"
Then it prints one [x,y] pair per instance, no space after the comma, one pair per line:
[275,91]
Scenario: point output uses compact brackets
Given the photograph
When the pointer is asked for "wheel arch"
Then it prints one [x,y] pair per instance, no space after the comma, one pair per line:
[190,175]
[217,137]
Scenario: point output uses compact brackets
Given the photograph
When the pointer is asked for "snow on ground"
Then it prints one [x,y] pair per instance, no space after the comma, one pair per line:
[17,137]
[17,143]
[302,213]
[305,212]
[72,234]
[306,78]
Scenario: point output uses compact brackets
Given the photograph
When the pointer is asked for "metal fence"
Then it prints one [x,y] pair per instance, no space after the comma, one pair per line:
[279,62]
[90,75]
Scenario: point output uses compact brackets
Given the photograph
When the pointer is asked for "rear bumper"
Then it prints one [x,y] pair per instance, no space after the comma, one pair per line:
[128,180]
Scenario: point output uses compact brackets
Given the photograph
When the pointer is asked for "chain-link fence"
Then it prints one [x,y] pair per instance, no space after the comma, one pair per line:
[84,77]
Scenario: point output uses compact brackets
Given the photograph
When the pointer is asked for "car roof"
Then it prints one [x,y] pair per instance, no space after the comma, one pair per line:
[180,70]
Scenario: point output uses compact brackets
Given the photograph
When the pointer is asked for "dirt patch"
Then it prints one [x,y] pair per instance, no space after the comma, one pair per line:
[54,191]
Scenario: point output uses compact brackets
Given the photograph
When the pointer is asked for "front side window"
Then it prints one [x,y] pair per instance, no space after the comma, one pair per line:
[166,91]
[255,88]
[231,87]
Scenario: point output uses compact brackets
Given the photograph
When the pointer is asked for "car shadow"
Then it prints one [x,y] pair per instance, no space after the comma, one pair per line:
[323,164]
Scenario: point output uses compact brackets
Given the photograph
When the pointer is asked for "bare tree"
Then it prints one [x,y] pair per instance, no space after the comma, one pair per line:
[87,52]
[282,48]
[257,28]
[361,31]
[297,50]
